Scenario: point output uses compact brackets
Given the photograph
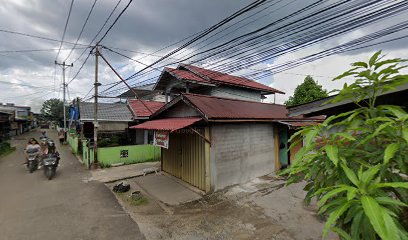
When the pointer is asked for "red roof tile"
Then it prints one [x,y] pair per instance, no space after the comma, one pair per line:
[183,74]
[230,79]
[140,110]
[168,124]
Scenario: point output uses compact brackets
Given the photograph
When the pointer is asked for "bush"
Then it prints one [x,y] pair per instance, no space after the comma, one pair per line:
[5,148]
[356,163]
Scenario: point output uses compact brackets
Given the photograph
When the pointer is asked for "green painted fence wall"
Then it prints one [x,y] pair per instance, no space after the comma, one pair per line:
[73,141]
[135,154]
[111,155]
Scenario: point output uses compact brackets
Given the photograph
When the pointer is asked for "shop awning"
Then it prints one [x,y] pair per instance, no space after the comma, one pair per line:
[167,124]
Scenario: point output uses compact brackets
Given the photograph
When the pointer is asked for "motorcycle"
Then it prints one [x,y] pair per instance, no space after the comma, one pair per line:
[50,164]
[50,160]
[33,159]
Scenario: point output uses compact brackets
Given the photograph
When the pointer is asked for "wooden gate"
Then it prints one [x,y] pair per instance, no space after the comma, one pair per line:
[186,157]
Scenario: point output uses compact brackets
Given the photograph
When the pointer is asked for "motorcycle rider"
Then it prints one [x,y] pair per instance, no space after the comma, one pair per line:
[32,144]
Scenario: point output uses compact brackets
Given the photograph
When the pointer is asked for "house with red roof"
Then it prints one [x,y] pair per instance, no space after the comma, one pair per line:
[212,142]
[142,110]
[191,79]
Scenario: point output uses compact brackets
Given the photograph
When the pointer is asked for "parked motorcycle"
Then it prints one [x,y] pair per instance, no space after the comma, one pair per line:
[33,156]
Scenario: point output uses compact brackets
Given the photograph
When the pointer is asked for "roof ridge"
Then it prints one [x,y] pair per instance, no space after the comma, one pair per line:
[222,73]
[145,100]
[231,99]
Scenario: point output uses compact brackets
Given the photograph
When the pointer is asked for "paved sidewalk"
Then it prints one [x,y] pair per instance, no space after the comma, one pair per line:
[112,174]
[166,189]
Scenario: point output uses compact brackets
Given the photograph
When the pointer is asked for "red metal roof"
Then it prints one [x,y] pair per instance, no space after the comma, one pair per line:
[225,108]
[183,74]
[217,108]
[140,109]
[230,79]
[168,124]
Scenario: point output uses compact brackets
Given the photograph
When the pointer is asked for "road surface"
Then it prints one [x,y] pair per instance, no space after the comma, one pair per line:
[67,207]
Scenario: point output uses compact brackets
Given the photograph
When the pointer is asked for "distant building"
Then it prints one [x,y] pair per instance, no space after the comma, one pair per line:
[21,119]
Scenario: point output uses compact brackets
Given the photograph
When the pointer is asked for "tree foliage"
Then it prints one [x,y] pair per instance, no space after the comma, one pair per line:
[356,163]
[308,91]
[52,110]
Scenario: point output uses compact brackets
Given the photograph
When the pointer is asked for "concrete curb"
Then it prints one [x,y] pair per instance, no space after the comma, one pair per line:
[138,174]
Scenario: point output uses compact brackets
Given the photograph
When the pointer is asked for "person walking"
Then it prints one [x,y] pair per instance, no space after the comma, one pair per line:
[61,136]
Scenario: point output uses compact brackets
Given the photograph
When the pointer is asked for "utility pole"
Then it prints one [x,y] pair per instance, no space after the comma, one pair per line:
[64,66]
[96,124]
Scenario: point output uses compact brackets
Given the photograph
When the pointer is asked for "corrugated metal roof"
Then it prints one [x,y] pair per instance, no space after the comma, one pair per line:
[299,124]
[116,112]
[140,109]
[225,108]
[186,75]
[229,79]
[168,124]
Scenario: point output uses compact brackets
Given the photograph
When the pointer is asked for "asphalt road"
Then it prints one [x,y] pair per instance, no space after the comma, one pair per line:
[67,207]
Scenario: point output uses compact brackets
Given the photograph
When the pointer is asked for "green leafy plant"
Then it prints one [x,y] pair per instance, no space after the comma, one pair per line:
[356,163]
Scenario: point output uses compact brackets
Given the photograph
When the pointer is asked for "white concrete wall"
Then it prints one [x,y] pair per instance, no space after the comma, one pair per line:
[237,93]
[240,152]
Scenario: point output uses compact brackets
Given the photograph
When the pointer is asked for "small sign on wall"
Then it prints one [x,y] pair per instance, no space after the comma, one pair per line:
[124,153]
[161,139]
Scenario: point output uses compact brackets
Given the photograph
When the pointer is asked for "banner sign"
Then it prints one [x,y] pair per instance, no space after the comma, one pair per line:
[161,139]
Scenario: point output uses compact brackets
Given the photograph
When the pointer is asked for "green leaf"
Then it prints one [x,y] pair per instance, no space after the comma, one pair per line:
[373,211]
[360,64]
[345,135]
[333,153]
[405,133]
[373,59]
[396,110]
[310,136]
[390,151]
[335,202]
[391,184]
[368,175]
[390,201]
[331,194]
[331,220]
[350,175]
[355,225]
[351,193]
[343,234]
[389,61]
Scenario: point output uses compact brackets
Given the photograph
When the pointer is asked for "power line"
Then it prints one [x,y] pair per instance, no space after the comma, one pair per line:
[113,24]
[211,29]
[106,33]
[38,50]
[100,30]
[38,37]
[65,28]
[82,30]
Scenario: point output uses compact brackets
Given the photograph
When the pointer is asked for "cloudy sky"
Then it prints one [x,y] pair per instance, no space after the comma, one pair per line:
[29,77]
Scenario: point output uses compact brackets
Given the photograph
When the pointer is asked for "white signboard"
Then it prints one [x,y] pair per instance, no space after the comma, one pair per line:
[161,139]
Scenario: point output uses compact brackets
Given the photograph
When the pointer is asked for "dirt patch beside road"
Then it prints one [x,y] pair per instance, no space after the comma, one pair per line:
[260,209]
[212,217]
